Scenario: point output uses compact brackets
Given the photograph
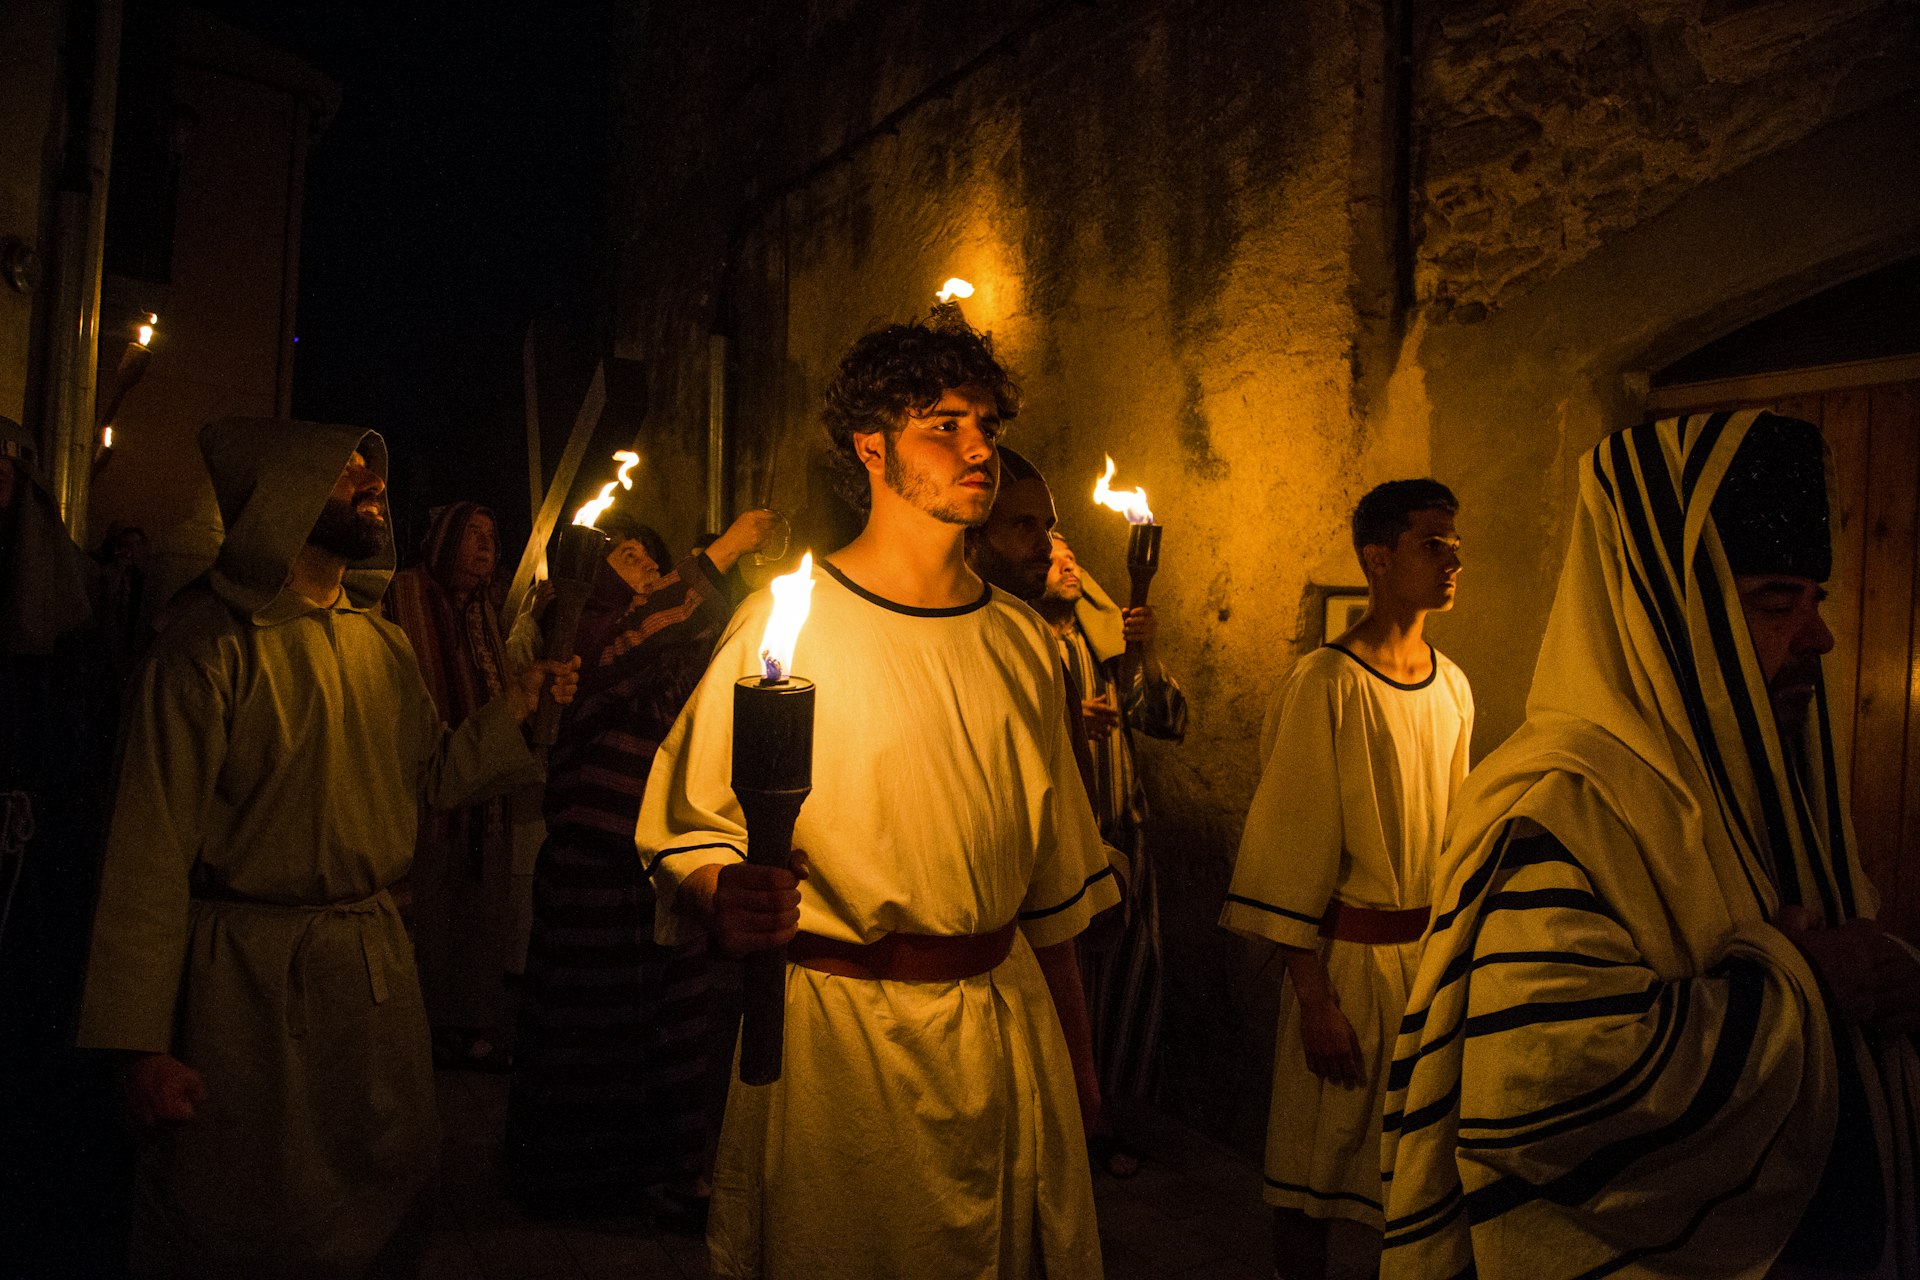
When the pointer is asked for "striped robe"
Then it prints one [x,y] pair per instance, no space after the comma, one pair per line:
[610,1088]
[1124,974]
[1611,1062]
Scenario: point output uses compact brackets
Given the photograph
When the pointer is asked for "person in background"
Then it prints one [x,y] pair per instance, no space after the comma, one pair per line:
[248,966]
[614,1081]
[1363,748]
[1018,551]
[458,896]
[1124,971]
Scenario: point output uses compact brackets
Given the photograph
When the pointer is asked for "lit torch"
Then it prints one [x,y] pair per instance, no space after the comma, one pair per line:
[132,368]
[1143,547]
[582,548]
[772,775]
[946,313]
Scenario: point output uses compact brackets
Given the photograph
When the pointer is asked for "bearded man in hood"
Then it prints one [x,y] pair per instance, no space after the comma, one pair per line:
[247,958]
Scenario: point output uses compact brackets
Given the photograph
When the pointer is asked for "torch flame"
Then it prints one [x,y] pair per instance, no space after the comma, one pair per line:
[1131,503]
[954,288]
[792,596]
[592,511]
[145,330]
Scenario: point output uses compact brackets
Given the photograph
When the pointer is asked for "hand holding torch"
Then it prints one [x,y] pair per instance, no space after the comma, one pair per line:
[1143,553]
[772,776]
[582,548]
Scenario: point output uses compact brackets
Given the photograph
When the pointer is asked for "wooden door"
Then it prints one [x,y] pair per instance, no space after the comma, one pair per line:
[1873,607]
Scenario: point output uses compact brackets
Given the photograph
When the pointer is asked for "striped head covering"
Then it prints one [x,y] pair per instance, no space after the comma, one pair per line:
[1611,1061]
[456,639]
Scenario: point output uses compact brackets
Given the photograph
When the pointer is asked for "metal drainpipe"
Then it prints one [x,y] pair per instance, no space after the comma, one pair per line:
[81,228]
[716,432]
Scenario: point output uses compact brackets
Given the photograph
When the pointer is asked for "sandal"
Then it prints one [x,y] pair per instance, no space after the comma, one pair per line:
[1113,1155]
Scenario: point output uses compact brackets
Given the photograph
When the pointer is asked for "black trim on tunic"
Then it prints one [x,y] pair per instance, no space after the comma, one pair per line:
[1433,668]
[955,611]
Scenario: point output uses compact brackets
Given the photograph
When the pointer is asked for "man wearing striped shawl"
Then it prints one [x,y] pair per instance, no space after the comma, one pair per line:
[1655,1031]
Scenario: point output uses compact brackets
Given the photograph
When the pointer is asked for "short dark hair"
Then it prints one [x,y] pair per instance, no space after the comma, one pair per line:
[1387,510]
[621,527]
[900,369]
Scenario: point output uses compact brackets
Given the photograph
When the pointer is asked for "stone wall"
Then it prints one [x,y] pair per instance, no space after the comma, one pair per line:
[1179,219]
[1546,128]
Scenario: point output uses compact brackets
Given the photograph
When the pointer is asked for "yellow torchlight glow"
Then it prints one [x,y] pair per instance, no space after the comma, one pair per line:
[145,331]
[106,438]
[593,510]
[1131,503]
[792,598]
[954,288]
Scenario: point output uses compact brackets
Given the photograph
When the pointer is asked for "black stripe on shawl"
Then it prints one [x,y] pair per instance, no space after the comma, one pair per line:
[1041,913]
[1772,807]
[1411,1228]
[1663,611]
[1700,450]
[1662,496]
[1348,1196]
[1731,1052]
[1405,1122]
[1838,846]
[1268,907]
[1415,1020]
[1740,1188]
[1573,1113]
[1538,1012]
[1534,899]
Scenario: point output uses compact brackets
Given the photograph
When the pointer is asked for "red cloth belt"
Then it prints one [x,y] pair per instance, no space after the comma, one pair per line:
[1372,925]
[905,957]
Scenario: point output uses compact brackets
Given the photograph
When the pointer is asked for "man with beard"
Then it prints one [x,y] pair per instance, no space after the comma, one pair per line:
[1019,551]
[1123,972]
[247,958]
[1363,748]
[926,1123]
[1655,1031]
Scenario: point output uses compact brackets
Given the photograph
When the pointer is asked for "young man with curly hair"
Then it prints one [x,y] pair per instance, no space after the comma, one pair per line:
[927,1122]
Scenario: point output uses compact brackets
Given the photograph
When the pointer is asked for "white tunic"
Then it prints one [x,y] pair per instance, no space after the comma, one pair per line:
[927,1129]
[1351,806]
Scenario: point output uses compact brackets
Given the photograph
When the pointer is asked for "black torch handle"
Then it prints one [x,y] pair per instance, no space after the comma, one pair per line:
[563,630]
[1143,561]
[763,997]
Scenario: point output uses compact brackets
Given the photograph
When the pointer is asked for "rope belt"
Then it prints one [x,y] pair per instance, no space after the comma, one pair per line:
[1373,926]
[905,957]
[359,914]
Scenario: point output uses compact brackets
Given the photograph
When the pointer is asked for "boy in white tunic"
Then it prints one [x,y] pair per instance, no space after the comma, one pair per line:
[926,1123]
[1364,745]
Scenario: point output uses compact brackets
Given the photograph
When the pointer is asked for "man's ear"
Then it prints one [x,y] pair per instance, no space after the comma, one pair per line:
[1374,558]
[870,447]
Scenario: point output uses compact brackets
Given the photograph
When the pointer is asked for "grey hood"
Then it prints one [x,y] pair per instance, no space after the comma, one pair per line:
[271,477]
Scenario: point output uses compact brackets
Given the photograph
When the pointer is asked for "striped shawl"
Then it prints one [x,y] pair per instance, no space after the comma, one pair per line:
[1611,1063]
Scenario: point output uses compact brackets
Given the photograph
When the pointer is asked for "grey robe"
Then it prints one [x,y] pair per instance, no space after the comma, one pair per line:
[274,753]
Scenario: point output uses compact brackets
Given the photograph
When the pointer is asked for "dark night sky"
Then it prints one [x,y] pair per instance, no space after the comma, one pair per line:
[456,196]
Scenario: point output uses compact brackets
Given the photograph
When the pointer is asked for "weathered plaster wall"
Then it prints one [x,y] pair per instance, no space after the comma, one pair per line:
[1590,204]
[1178,216]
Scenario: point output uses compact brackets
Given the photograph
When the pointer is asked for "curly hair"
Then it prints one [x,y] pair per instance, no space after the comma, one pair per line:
[900,369]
